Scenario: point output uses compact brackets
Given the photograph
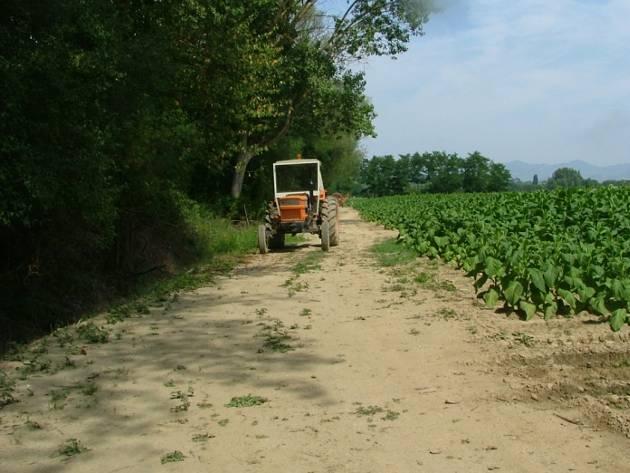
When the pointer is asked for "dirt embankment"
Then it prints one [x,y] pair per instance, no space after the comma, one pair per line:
[308,362]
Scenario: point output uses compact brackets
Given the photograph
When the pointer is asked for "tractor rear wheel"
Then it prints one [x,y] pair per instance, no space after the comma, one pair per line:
[324,230]
[333,221]
[262,239]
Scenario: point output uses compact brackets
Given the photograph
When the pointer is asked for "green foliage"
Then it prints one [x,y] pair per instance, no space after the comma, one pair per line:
[91,333]
[558,252]
[435,172]
[565,177]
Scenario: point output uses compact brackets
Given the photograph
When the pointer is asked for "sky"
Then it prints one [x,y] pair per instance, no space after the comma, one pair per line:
[542,81]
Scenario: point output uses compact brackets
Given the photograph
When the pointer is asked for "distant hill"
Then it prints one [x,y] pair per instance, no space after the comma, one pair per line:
[525,171]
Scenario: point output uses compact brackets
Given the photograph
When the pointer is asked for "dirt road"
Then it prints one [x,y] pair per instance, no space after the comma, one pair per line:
[336,364]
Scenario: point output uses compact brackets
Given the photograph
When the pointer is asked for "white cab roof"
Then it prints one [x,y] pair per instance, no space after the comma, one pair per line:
[296,161]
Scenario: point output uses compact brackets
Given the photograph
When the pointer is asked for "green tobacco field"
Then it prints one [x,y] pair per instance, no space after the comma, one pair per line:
[541,253]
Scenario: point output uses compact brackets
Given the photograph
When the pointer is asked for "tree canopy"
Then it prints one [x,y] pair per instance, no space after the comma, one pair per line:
[436,172]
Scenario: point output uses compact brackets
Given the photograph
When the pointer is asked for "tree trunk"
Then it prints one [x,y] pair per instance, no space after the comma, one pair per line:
[244,158]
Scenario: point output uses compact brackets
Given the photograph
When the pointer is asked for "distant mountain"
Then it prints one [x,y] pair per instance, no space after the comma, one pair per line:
[525,171]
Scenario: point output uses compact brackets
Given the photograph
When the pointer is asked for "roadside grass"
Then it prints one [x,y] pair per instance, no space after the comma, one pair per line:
[7,387]
[407,271]
[58,397]
[311,262]
[391,253]
[294,239]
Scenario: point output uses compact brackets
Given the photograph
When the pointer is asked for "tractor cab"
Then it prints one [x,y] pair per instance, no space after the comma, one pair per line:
[298,191]
[300,205]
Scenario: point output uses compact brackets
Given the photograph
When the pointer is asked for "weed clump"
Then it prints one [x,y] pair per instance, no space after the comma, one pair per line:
[91,333]
[70,448]
[171,457]
[246,401]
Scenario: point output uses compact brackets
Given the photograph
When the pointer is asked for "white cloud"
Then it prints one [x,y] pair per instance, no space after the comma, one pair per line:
[533,80]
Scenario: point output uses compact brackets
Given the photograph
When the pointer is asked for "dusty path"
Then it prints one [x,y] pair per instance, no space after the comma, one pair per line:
[357,377]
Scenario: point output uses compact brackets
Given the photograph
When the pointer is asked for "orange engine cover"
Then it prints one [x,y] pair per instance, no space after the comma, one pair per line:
[293,208]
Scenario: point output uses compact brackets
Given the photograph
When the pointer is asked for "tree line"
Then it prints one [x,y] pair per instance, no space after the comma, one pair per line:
[562,178]
[436,172]
[116,118]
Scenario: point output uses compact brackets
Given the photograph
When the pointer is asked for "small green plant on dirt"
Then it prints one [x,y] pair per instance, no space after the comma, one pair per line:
[414,331]
[88,389]
[311,262]
[523,339]
[446,285]
[40,348]
[70,448]
[446,313]
[261,311]
[118,314]
[391,415]
[202,437]
[275,338]
[294,286]
[142,309]
[180,368]
[368,410]
[58,397]
[246,401]
[183,398]
[306,312]
[91,333]
[423,278]
[170,383]
[64,337]
[34,365]
[172,457]
[7,387]
[223,422]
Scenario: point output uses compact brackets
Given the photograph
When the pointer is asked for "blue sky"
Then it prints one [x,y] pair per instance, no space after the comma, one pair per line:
[543,81]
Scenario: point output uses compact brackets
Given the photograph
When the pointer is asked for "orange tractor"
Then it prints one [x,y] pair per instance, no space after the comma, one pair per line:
[300,205]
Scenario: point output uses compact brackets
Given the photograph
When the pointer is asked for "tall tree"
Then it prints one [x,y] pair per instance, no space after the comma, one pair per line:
[310,74]
[565,177]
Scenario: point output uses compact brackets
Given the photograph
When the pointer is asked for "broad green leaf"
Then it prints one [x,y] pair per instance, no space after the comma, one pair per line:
[494,267]
[528,308]
[599,306]
[441,242]
[617,319]
[538,279]
[513,293]
[551,276]
[585,293]
[491,298]
[568,297]
[551,310]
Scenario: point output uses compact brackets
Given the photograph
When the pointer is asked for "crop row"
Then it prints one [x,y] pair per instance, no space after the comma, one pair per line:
[549,253]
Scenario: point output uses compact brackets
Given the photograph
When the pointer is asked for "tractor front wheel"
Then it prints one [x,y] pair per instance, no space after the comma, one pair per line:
[262,239]
[324,230]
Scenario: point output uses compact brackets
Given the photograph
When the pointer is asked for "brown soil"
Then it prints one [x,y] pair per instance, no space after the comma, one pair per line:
[360,369]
